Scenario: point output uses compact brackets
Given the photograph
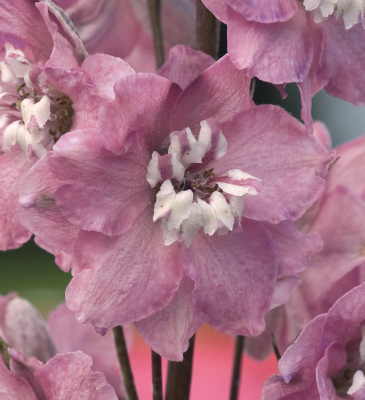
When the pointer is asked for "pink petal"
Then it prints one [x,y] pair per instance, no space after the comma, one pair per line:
[344,318]
[277,53]
[168,331]
[302,369]
[218,8]
[219,92]
[294,248]
[322,134]
[184,65]
[13,166]
[349,169]
[24,28]
[87,86]
[283,288]
[235,278]
[102,191]
[328,367]
[39,212]
[259,140]
[63,53]
[142,104]
[69,376]
[125,278]
[341,225]
[14,387]
[65,261]
[69,335]
[344,61]
[265,11]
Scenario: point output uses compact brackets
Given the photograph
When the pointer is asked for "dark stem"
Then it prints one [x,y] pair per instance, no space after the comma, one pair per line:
[125,365]
[275,346]
[207,29]
[156,376]
[154,9]
[179,375]
[235,382]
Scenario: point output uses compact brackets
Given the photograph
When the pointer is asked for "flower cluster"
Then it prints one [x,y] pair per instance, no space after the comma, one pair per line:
[174,199]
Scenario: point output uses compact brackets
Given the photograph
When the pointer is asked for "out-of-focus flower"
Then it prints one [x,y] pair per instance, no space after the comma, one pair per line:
[327,360]
[279,42]
[339,218]
[65,376]
[22,328]
[121,28]
[198,154]
[45,88]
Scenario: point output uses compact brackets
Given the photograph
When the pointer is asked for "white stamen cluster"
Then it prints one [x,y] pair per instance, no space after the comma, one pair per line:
[188,201]
[32,119]
[352,10]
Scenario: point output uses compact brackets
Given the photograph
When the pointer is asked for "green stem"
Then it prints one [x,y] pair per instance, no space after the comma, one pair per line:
[154,9]
[4,352]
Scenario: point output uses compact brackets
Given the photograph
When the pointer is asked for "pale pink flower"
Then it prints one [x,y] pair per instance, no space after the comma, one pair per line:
[22,328]
[339,218]
[230,177]
[280,42]
[327,360]
[65,376]
[45,88]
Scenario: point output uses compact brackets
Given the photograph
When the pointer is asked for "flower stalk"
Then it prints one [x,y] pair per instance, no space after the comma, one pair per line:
[207,29]
[156,376]
[235,382]
[154,9]
[125,365]
[179,375]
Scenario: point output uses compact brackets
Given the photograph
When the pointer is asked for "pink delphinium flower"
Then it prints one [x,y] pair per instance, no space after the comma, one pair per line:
[327,359]
[339,218]
[280,42]
[22,328]
[45,89]
[181,204]
[65,376]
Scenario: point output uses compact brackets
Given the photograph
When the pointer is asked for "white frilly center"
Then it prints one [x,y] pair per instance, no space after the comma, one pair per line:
[188,201]
[31,119]
[352,10]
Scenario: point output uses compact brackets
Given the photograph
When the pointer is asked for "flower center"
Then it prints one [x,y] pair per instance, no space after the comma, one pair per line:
[189,194]
[352,377]
[32,119]
[352,10]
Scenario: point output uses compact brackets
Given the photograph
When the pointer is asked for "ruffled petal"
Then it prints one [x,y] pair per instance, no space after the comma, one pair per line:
[124,278]
[169,330]
[235,278]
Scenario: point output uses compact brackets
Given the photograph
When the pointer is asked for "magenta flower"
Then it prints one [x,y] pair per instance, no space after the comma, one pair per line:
[327,359]
[45,89]
[285,41]
[22,328]
[178,209]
